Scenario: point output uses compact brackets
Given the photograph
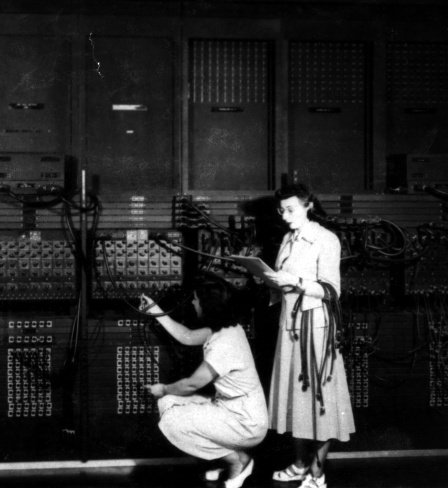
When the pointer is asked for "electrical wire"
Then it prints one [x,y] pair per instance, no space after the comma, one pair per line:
[52,203]
[195,251]
[210,220]
[435,192]
[126,298]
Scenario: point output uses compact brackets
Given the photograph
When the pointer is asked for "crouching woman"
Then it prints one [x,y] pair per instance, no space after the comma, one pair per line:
[235,419]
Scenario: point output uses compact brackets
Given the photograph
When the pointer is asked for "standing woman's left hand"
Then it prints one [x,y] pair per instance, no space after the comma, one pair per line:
[157,390]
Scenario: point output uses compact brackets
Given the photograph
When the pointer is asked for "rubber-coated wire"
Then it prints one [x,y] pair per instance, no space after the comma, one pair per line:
[354,256]
[69,222]
[206,268]
[209,219]
[80,254]
[436,226]
[368,349]
[126,298]
[200,253]
[402,260]
[149,350]
[398,229]
[387,224]
[98,329]
[52,203]
[400,251]
[414,276]
[146,311]
[435,192]
[39,368]
[74,334]
[252,237]
[78,313]
[94,202]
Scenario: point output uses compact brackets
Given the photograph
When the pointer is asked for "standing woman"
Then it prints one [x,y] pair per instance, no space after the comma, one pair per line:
[309,395]
[235,419]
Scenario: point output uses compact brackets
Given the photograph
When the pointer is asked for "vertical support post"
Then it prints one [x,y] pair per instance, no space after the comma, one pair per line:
[84,329]
[79,135]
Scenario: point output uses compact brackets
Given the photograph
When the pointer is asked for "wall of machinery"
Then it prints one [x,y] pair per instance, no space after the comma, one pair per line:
[76,350]
[251,83]
[140,149]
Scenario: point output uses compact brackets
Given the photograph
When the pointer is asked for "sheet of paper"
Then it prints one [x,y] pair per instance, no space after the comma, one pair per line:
[257,267]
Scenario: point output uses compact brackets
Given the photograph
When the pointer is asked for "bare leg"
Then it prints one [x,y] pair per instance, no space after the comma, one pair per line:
[244,458]
[236,462]
[311,453]
[317,464]
[231,463]
[302,450]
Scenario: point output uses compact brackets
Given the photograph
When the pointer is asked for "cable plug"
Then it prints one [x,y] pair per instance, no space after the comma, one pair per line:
[419,187]
[49,189]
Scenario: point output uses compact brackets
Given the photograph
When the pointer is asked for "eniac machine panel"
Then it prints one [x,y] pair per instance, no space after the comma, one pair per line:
[230,115]
[28,172]
[412,171]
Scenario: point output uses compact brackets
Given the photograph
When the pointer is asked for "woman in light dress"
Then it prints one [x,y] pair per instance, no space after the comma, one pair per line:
[309,396]
[223,427]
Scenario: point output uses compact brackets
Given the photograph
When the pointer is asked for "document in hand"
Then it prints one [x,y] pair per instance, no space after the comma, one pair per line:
[257,267]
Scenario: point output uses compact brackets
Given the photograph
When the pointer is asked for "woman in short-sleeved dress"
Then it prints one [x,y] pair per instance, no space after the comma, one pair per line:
[235,419]
[308,254]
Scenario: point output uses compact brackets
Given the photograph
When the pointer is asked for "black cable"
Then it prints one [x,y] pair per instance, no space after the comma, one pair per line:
[402,260]
[71,228]
[214,256]
[163,314]
[206,267]
[29,203]
[435,193]
[126,298]
[252,237]
[209,219]
[67,199]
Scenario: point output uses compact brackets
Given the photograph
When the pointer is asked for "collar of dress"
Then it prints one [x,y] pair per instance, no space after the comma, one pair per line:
[307,233]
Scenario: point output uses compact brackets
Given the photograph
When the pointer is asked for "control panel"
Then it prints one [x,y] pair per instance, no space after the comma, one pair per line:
[126,263]
[37,265]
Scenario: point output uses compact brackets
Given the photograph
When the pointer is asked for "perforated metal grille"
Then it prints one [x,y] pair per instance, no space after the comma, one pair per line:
[327,72]
[417,73]
[228,71]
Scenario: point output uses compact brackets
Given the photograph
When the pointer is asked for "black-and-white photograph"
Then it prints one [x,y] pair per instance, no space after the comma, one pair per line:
[223,243]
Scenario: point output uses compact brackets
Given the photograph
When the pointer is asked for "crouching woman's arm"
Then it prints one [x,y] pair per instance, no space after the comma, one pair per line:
[204,375]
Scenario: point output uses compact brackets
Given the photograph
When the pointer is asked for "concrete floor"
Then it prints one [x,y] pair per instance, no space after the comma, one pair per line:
[406,472]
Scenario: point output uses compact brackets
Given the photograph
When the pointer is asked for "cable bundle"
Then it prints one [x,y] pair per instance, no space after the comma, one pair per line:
[314,375]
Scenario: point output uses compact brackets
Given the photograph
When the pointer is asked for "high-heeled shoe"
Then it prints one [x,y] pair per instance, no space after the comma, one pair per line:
[238,481]
[213,474]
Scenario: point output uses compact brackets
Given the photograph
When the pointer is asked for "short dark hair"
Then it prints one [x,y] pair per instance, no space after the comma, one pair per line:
[302,192]
[216,304]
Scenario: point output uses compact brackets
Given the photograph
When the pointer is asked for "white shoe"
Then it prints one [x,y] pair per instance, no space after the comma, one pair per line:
[311,482]
[291,473]
[238,481]
[213,474]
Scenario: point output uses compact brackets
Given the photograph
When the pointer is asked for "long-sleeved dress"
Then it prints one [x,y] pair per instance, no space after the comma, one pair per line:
[312,255]
[236,418]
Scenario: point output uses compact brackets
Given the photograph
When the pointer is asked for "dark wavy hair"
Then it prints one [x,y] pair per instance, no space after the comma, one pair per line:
[302,192]
[216,304]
